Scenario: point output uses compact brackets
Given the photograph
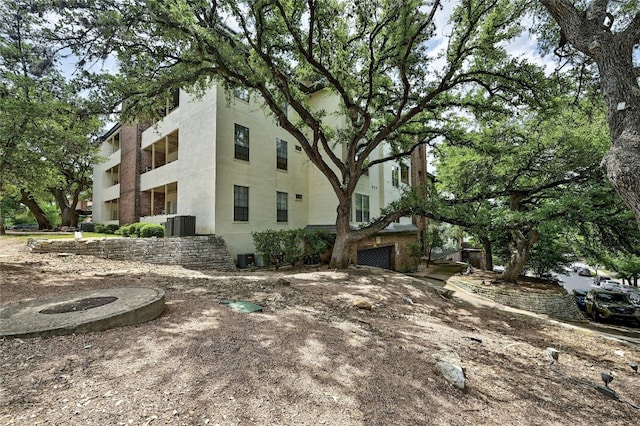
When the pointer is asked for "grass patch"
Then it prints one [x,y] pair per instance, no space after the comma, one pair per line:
[51,236]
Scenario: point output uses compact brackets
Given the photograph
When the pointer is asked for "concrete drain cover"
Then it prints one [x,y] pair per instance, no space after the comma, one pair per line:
[79,305]
[82,312]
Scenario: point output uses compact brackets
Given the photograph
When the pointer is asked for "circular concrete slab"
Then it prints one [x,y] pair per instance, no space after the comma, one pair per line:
[81,312]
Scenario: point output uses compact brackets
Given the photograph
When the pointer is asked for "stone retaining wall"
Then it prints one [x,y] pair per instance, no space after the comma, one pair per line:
[200,252]
[555,305]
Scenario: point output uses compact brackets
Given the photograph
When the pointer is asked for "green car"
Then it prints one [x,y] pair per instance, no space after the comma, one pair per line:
[610,304]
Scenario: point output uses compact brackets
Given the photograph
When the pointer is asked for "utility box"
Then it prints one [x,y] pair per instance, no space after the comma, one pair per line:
[181,226]
[87,226]
[246,259]
[169,227]
[184,226]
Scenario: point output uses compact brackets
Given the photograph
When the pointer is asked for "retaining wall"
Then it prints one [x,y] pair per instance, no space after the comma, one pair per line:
[556,305]
[199,252]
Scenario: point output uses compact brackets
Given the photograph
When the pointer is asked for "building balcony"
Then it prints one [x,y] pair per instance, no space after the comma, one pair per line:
[159,176]
[111,193]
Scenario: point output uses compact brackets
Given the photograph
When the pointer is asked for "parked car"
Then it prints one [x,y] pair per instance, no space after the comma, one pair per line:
[610,285]
[25,227]
[599,278]
[582,271]
[579,296]
[610,304]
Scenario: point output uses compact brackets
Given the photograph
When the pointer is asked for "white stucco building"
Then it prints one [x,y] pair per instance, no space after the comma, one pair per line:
[224,160]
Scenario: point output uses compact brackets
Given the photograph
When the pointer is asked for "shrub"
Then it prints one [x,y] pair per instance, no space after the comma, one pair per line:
[290,241]
[267,244]
[132,230]
[151,230]
[105,229]
[124,231]
[292,245]
[316,243]
[135,229]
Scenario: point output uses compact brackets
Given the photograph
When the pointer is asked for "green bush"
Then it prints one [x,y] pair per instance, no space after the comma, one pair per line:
[316,243]
[100,228]
[267,244]
[132,230]
[136,229]
[124,231]
[291,242]
[151,230]
[291,245]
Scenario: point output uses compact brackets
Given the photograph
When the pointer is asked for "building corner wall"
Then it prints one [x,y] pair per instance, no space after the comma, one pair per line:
[130,156]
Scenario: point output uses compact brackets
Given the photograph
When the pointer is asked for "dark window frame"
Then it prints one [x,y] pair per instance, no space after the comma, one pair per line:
[282,207]
[240,203]
[362,208]
[404,174]
[395,176]
[281,154]
[241,142]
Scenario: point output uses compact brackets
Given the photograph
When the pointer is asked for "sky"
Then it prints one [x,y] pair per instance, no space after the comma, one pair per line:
[524,46]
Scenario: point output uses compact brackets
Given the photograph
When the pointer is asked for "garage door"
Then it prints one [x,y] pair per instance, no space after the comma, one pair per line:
[380,257]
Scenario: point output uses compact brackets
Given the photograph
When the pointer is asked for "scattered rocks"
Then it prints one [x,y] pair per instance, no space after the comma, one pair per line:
[283,282]
[448,363]
[362,304]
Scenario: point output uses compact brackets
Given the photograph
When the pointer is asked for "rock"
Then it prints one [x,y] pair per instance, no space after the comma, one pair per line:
[448,363]
[553,355]
[283,282]
[362,304]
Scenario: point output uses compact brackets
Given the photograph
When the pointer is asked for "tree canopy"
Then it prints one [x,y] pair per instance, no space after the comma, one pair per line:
[518,181]
[606,33]
[45,126]
[396,74]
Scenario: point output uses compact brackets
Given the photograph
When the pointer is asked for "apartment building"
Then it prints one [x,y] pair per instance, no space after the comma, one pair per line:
[223,160]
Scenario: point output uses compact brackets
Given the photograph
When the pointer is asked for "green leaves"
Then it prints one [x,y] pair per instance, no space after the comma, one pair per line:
[45,127]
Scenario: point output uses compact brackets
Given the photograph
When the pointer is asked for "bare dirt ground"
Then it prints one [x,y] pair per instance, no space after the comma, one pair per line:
[309,358]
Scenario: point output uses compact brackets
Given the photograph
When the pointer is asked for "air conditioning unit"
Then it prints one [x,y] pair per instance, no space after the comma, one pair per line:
[245,260]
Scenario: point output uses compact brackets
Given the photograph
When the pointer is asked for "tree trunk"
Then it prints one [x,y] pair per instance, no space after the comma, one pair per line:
[2,230]
[342,247]
[28,200]
[488,255]
[68,213]
[519,247]
[591,34]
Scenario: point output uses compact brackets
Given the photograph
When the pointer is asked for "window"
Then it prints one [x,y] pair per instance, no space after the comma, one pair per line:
[281,154]
[242,94]
[284,106]
[174,101]
[282,211]
[404,174]
[241,142]
[395,176]
[362,208]
[240,203]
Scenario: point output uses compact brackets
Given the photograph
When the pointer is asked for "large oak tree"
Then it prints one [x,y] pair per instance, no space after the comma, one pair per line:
[608,33]
[396,74]
[45,126]
[518,180]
